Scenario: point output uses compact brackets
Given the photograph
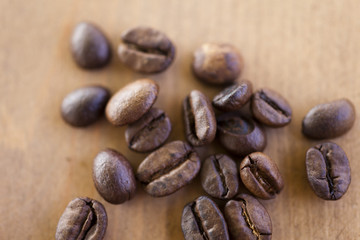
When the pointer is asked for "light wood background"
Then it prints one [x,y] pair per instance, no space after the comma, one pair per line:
[307,50]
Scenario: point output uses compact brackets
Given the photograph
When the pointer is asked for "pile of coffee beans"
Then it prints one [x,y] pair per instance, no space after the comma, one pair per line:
[171,166]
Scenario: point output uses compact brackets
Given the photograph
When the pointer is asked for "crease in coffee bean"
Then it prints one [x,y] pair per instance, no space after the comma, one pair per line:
[85,230]
[191,120]
[329,178]
[248,220]
[151,51]
[215,161]
[198,221]
[273,104]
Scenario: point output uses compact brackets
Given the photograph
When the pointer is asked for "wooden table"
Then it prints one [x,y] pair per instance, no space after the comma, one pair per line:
[307,50]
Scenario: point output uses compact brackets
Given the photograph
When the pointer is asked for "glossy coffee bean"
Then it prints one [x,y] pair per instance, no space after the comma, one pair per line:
[328,170]
[146,50]
[85,105]
[131,102]
[329,120]
[202,219]
[168,169]
[240,135]
[220,177]
[217,63]
[89,46]
[247,219]
[149,132]
[113,177]
[270,108]
[233,97]
[261,176]
[199,119]
[83,218]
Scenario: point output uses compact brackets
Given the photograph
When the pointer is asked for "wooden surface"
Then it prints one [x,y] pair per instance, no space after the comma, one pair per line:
[308,50]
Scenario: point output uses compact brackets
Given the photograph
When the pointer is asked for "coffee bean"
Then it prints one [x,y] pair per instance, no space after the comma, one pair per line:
[270,108]
[89,46]
[233,97]
[261,176]
[131,102]
[83,218]
[247,219]
[149,132]
[168,169]
[219,176]
[329,120]
[113,177]
[85,105]
[240,135]
[146,50]
[202,219]
[328,170]
[199,119]
[217,63]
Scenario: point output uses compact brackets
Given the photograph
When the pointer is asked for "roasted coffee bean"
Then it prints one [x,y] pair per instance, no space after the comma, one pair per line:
[329,120]
[202,219]
[149,132]
[233,97]
[261,176]
[89,46]
[247,219]
[199,119]
[131,102]
[220,177]
[83,219]
[113,177]
[328,170]
[146,50]
[240,135]
[85,105]
[270,108]
[168,169]
[217,63]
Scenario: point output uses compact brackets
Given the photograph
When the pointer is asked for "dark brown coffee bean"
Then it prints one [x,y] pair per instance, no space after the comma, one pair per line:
[89,46]
[270,108]
[247,219]
[217,63]
[149,132]
[85,105]
[168,169]
[202,219]
[113,177]
[329,120]
[234,97]
[199,119]
[146,50]
[261,176]
[240,135]
[328,170]
[220,177]
[131,102]
[83,218]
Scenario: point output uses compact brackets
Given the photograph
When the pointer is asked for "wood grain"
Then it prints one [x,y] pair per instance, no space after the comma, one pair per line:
[307,50]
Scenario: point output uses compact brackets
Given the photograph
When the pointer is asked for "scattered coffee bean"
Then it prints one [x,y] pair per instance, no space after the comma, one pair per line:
[146,50]
[89,46]
[199,119]
[217,63]
[329,120]
[113,177]
[85,105]
[149,132]
[261,176]
[328,170]
[247,218]
[202,219]
[270,108]
[168,169]
[240,135]
[220,177]
[131,102]
[233,97]
[83,218]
